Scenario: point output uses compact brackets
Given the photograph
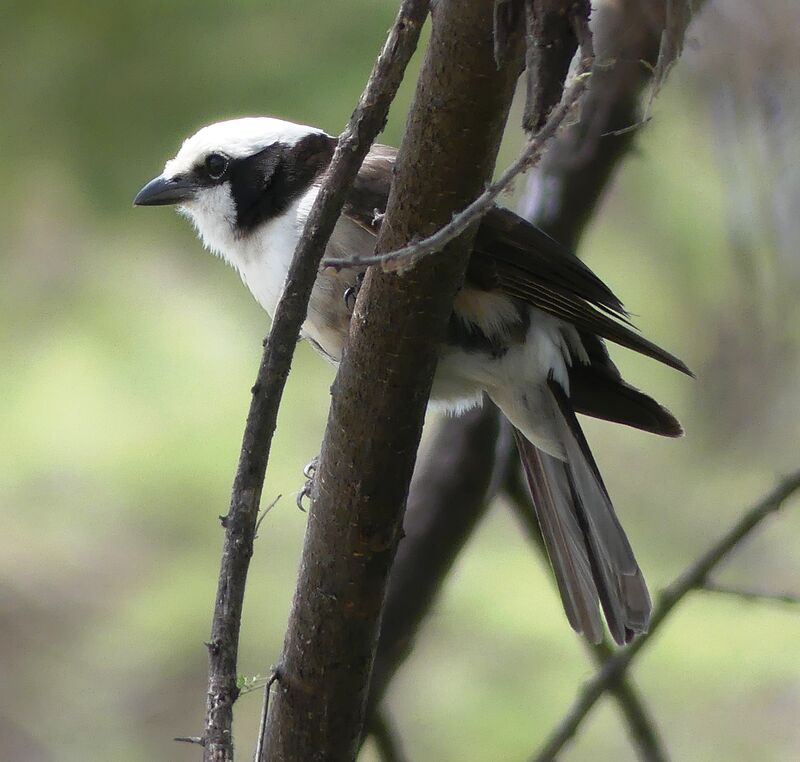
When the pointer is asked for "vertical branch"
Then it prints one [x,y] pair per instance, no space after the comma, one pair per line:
[381,391]
[551,43]
[451,490]
[563,192]
[240,523]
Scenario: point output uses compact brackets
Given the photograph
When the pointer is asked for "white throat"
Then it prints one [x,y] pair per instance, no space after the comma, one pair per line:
[262,257]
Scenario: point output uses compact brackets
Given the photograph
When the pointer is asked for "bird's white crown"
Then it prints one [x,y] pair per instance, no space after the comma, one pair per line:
[236,138]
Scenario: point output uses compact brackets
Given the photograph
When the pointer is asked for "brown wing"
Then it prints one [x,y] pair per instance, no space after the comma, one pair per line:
[367,199]
[523,261]
[520,260]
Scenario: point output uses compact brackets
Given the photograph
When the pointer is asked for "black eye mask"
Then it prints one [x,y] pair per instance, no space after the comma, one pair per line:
[265,184]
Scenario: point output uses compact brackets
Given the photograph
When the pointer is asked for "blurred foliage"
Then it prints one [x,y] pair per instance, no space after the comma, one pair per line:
[128,356]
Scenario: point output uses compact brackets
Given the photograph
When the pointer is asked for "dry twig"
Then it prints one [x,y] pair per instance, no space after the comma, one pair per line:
[262,725]
[404,257]
[752,596]
[692,579]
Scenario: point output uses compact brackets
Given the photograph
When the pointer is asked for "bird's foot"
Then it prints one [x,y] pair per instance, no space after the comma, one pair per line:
[311,468]
[309,471]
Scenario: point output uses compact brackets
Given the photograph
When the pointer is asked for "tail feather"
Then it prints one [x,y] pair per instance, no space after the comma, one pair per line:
[563,539]
[591,557]
[590,490]
[601,393]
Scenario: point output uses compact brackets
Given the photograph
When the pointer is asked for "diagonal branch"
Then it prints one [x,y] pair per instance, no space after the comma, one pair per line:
[752,596]
[400,259]
[692,579]
[240,523]
[638,718]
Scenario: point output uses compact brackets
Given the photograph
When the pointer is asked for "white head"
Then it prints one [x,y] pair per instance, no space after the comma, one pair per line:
[232,176]
[237,139]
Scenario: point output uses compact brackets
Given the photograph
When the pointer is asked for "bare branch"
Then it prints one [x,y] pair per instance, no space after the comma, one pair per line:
[752,596]
[404,257]
[584,155]
[190,739]
[641,724]
[240,523]
[381,390]
[550,45]
[693,578]
[455,479]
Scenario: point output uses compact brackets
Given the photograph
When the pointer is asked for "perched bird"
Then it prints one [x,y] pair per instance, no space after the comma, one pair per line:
[527,329]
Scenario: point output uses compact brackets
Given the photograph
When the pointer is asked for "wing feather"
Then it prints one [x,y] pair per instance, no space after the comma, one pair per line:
[518,259]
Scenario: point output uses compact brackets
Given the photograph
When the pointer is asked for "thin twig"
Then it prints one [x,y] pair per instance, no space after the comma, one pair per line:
[692,579]
[753,596]
[367,121]
[262,725]
[640,722]
[402,258]
[264,515]
[625,130]
[190,739]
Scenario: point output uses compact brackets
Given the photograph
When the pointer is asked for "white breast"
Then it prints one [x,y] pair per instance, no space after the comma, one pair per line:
[263,257]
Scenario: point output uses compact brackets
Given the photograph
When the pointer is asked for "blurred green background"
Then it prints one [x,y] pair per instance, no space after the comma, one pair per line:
[128,354]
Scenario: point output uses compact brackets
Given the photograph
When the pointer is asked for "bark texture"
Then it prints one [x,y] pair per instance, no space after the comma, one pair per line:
[381,391]
[551,43]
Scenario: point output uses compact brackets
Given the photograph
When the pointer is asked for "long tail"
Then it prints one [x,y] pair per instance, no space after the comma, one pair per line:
[589,552]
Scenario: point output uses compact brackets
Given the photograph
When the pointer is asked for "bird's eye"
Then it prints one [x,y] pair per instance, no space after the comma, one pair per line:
[216,165]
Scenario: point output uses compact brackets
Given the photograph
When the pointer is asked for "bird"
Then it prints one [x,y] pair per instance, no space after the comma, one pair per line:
[528,329]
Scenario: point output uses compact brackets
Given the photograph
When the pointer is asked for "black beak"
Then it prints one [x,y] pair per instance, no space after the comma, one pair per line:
[165,190]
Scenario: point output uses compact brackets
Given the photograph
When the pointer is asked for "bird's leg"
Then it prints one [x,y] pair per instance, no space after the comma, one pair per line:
[309,471]
[351,293]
